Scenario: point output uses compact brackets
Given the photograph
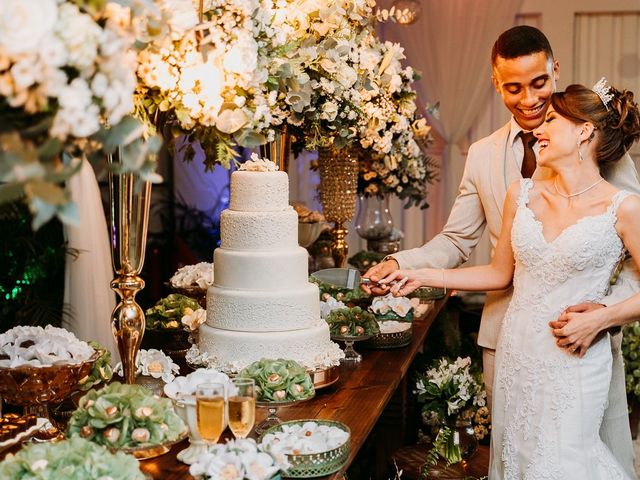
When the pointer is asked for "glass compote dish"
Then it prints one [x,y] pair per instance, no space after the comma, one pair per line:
[350,354]
[272,407]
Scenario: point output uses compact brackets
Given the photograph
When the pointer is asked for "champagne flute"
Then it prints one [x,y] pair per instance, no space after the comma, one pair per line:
[210,411]
[242,406]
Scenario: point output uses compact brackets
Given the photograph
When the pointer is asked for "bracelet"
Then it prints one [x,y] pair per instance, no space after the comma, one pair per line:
[444,285]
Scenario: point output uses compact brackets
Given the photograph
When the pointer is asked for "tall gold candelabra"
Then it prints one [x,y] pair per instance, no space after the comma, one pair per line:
[129,217]
[338,186]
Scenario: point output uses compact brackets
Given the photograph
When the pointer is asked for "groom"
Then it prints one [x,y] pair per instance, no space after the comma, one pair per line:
[525,75]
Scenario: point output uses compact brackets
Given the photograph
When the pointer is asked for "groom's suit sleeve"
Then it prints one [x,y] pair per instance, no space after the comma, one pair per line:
[462,232]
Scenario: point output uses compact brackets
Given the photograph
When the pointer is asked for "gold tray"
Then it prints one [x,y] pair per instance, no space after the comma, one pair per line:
[152,451]
[326,377]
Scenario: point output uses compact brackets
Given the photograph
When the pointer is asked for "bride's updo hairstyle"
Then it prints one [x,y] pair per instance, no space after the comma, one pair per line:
[617,127]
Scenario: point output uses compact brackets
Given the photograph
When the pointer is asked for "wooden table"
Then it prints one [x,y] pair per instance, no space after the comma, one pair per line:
[357,399]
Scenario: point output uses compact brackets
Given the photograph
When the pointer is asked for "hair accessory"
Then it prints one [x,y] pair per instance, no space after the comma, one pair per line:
[603,89]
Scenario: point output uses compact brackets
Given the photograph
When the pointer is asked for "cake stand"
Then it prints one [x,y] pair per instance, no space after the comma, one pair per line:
[350,355]
[272,416]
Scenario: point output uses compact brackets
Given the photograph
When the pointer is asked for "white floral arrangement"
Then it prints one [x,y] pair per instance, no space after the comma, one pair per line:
[392,134]
[198,275]
[306,438]
[257,164]
[240,459]
[400,306]
[449,388]
[41,347]
[313,51]
[153,363]
[207,77]
[67,78]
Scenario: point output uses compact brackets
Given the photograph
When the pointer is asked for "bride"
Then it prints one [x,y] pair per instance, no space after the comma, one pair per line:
[560,242]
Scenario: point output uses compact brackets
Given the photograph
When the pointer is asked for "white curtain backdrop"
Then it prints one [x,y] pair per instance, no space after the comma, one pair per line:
[608,44]
[87,277]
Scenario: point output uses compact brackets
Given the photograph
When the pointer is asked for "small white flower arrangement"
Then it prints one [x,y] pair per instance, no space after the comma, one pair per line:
[449,388]
[198,275]
[239,460]
[153,363]
[400,306]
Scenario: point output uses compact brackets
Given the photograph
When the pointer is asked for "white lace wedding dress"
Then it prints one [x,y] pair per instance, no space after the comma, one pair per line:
[548,404]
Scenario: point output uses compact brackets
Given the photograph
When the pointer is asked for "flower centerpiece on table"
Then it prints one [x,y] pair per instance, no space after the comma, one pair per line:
[125,416]
[241,459]
[67,78]
[392,136]
[279,380]
[74,458]
[206,76]
[448,390]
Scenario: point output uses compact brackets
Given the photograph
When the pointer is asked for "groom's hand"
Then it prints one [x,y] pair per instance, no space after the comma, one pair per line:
[577,327]
[377,273]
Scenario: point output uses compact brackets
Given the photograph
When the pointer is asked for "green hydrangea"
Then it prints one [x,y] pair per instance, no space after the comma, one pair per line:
[279,380]
[352,322]
[71,459]
[121,415]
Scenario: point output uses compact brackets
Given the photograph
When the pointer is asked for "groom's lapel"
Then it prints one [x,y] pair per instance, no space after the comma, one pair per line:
[498,169]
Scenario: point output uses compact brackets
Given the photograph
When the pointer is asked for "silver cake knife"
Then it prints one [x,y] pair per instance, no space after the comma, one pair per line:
[343,277]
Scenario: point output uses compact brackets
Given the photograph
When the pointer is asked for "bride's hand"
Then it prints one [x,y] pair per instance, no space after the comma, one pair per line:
[578,326]
[406,282]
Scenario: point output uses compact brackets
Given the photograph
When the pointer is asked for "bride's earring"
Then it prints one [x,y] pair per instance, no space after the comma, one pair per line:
[580,153]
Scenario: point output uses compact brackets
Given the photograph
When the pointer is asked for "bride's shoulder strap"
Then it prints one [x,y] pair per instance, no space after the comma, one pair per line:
[617,199]
[525,187]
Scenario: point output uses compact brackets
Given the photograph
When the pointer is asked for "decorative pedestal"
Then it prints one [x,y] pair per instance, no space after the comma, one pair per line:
[338,186]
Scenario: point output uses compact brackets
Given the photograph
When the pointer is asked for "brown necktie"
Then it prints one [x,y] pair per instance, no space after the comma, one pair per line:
[529,159]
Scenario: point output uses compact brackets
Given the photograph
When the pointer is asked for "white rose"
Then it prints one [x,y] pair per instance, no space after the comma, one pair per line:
[193,320]
[25,23]
[231,121]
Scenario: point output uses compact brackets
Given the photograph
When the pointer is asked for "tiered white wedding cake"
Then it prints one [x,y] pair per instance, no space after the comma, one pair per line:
[261,304]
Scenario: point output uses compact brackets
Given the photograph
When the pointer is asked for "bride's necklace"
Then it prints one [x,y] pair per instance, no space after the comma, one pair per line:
[555,185]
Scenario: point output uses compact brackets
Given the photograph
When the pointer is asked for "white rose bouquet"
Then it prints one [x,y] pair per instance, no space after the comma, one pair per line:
[67,77]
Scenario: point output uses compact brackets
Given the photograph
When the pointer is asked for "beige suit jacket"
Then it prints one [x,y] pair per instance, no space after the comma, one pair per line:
[486,178]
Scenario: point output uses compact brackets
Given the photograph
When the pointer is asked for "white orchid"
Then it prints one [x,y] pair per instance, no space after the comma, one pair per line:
[240,459]
[153,363]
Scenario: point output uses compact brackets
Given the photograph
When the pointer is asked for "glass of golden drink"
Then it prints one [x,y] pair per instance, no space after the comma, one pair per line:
[242,406]
[210,411]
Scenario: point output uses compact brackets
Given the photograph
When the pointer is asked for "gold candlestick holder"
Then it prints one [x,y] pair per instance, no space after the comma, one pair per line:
[128,220]
[338,187]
